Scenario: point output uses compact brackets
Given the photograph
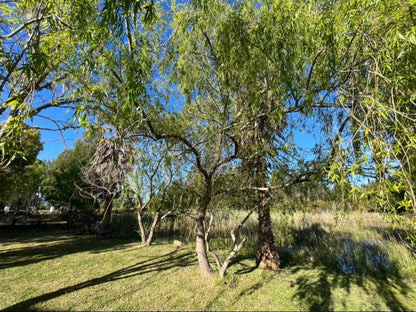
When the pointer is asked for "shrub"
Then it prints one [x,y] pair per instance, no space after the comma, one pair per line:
[124,225]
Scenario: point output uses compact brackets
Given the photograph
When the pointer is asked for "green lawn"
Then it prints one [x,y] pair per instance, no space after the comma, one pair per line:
[40,270]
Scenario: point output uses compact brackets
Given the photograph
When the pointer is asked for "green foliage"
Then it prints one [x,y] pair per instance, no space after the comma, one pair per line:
[60,183]
[124,224]
[372,67]
[21,178]
[35,48]
[23,151]
[64,173]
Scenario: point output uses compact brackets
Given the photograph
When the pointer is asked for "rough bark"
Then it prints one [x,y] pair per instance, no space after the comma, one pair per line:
[267,257]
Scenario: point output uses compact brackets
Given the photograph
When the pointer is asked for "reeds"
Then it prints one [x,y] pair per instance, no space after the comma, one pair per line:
[358,243]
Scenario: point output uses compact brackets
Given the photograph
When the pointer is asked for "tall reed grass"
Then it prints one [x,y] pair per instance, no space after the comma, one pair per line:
[358,243]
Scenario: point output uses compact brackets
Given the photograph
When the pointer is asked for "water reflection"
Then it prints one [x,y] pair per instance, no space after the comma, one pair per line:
[362,257]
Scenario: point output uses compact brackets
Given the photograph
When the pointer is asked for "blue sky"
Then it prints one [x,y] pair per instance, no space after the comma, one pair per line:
[54,142]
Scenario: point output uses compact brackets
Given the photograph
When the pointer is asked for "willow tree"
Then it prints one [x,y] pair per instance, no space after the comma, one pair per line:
[370,54]
[257,60]
[36,47]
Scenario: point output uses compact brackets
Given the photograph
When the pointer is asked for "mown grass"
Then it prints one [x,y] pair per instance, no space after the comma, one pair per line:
[44,270]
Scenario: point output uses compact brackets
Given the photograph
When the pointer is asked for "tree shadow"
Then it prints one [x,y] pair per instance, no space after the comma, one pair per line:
[54,245]
[154,264]
[267,277]
[232,282]
[342,261]
[32,233]
[245,268]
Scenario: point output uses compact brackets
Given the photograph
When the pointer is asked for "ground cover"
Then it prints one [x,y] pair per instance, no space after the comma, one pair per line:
[329,262]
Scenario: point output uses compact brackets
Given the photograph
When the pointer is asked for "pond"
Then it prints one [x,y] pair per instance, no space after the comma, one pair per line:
[362,257]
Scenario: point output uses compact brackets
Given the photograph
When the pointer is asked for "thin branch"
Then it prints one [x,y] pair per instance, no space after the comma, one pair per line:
[311,69]
[21,27]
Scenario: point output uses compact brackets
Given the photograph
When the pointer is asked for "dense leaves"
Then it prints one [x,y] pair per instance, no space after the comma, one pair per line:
[223,91]
[20,180]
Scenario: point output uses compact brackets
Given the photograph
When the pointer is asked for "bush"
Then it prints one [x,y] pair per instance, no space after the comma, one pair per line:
[81,214]
[124,225]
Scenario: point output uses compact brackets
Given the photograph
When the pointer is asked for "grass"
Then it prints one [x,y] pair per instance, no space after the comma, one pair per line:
[55,270]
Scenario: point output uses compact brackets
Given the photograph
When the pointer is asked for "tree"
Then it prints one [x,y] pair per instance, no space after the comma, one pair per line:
[232,85]
[257,61]
[64,173]
[20,179]
[150,182]
[35,52]
[104,176]
[59,185]
[369,52]
[118,79]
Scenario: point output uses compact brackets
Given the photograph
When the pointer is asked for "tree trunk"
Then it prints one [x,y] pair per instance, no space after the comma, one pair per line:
[152,229]
[105,224]
[141,226]
[267,257]
[201,250]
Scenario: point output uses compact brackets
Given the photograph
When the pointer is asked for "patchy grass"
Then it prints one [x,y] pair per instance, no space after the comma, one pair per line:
[44,270]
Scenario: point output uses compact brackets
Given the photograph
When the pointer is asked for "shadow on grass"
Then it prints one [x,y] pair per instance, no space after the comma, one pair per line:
[154,264]
[245,268]
[389,233]
[342,262]
[55,244]
[32,233]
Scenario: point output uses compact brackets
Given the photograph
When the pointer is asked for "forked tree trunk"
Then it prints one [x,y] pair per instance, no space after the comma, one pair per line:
[222,267]
[148,239]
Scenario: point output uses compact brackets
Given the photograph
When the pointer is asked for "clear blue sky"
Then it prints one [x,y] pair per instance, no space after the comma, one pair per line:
[54,142]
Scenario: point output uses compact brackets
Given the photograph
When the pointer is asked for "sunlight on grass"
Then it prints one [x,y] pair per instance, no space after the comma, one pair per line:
[60,271]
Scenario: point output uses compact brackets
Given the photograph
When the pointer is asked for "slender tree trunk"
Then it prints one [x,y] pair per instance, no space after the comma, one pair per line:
[141,226]
[152,229]
[200,233]
[105,223]
[203,262]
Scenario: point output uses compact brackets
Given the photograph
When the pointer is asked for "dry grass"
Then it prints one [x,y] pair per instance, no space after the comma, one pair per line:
[316,239]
